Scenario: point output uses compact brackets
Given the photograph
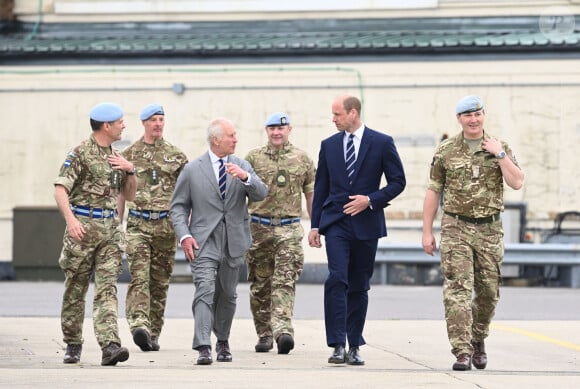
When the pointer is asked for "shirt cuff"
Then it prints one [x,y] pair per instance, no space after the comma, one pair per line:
[369,202]
[184,237]
[248,180]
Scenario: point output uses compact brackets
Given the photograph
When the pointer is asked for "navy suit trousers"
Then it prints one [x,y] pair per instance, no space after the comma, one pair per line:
[350,266]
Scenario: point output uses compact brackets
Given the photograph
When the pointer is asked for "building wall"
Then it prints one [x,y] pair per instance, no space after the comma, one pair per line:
[188,10]
[532,104]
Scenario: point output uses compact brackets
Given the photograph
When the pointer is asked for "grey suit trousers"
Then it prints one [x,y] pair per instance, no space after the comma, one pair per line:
[215,277]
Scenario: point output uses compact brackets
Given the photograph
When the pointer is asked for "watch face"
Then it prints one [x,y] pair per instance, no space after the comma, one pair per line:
[501,154]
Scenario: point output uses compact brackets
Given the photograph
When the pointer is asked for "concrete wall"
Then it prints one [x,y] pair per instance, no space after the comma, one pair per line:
[532,104]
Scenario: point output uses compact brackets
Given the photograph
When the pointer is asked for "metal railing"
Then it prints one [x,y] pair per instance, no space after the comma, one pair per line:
[547,254]
[565,256]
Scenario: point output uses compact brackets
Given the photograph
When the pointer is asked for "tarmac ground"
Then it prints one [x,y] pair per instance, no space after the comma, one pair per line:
[534,343]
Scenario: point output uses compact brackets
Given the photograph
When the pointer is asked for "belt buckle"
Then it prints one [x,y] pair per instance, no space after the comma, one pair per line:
[275,221]
[154,215]
[106,213]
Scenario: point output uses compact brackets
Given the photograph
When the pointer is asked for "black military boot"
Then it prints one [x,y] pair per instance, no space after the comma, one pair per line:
[285,343]
[142,339]
[155,343]
[265,344]
[479,358]
[73,353]
[114,353]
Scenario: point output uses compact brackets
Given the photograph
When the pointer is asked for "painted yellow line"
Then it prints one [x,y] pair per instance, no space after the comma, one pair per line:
[537,336]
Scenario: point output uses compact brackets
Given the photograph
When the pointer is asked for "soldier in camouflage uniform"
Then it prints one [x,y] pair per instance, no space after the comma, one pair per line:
[86,190]
[276,258]
[151,242]
[469,169]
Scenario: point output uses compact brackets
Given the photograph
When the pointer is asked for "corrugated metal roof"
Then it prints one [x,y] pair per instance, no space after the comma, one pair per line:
[289,38]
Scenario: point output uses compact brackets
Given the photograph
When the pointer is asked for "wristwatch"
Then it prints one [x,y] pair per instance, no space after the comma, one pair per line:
[501,155]
[133,171]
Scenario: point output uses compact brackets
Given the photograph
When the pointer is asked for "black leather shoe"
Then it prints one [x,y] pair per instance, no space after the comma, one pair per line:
[142,339]
[222,348]
[155,343]
[338,355]
[353,357]
[73,353]
[479,358]
[463,362]
[204,357]
[285,343]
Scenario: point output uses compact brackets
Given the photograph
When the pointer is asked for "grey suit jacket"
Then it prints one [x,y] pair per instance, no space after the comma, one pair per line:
[197,192]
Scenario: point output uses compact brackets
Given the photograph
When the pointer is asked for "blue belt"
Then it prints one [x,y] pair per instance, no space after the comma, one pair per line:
[274,221]
[95,213]
[149,215]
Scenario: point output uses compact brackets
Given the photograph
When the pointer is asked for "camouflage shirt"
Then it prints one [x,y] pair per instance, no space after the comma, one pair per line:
[471,181]
[288,173]
[86,174]
[157,168]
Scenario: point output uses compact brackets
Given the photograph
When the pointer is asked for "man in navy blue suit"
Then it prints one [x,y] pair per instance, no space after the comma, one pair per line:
[348,210]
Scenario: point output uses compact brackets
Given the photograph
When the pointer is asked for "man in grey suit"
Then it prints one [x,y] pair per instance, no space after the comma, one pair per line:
[210,215]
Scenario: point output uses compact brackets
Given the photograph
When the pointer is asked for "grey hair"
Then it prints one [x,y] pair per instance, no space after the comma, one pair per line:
[216,128]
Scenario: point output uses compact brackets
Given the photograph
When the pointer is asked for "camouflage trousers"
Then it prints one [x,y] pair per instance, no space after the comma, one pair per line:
[99,251]
[275,262]
[150,251]
[471,257]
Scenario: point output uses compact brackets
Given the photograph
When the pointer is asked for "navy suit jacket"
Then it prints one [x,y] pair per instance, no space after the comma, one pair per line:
[377,156]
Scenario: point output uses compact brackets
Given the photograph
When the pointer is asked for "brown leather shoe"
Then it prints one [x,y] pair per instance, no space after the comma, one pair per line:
[265,344]
[463,362]
[222,349]
[73,353]
[479,358]
[204,357]
[114,353]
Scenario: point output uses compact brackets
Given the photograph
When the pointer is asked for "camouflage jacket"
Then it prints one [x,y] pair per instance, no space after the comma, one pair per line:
[471,182]
[86,174]
[157,168]
[288,173]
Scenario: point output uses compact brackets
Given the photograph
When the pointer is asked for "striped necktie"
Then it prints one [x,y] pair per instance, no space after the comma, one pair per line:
[350,158]
[222,179]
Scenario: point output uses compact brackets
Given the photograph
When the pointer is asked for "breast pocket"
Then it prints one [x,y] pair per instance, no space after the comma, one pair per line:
[98,179]
[492,173]
[456,177]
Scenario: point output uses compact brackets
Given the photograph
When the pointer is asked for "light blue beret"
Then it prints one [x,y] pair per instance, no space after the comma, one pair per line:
[469,104]
[277,119]
[150,110]
[106,112]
